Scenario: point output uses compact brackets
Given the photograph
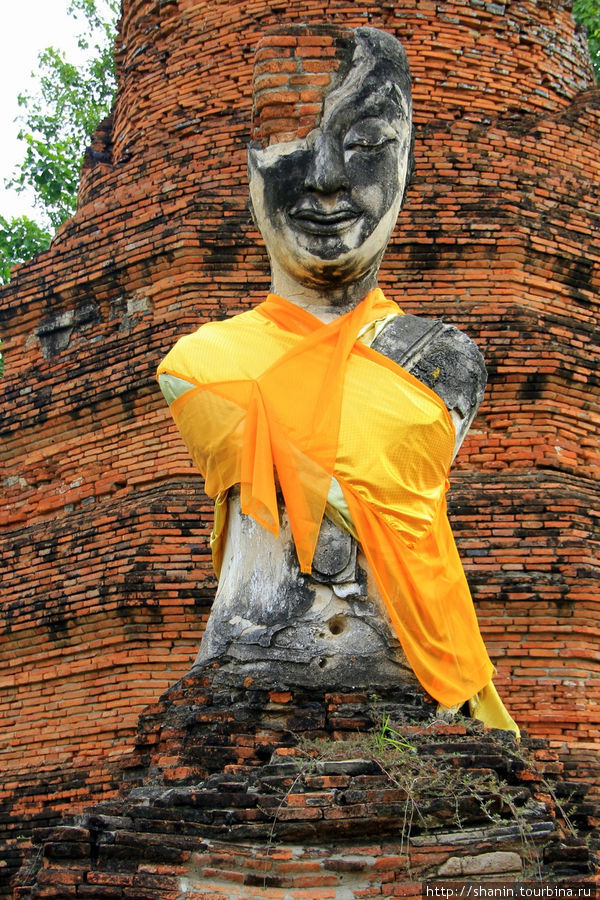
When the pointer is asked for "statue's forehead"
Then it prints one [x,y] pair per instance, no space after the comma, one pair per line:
[360,95]
[294,71]
[304,74]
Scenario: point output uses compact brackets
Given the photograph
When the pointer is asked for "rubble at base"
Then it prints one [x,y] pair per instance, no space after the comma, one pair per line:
[246,790]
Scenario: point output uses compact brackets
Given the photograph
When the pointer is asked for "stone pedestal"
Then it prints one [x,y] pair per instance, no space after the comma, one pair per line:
[255,790]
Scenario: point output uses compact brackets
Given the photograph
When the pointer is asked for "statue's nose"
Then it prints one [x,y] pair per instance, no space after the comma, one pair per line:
[326,171]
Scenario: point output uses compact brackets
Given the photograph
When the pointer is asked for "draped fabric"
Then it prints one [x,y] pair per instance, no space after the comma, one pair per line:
[277,398]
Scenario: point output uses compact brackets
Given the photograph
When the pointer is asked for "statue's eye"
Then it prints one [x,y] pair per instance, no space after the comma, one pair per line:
[369,134]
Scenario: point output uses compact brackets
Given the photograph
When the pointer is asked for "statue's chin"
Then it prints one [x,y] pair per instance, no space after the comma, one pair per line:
[328,264]
[330,274]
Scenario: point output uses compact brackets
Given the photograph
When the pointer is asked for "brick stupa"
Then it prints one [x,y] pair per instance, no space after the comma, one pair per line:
[106,581]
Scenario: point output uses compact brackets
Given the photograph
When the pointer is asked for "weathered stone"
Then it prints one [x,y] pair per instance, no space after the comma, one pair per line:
[497,863]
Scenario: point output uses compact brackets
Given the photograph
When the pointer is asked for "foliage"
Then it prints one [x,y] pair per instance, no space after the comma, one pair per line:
[58,120]
[20,239]
[587,13]
[388,738]
[70,102]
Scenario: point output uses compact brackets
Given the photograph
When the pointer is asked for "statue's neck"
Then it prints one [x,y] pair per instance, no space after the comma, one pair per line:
[326,303]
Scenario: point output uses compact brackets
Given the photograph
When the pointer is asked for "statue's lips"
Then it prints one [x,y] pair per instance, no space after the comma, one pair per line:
[320,221]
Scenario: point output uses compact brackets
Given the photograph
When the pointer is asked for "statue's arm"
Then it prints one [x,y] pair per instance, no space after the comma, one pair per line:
[173,387]
[443,358]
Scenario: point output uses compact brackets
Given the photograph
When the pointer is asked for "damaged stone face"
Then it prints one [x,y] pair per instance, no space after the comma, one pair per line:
[326,203]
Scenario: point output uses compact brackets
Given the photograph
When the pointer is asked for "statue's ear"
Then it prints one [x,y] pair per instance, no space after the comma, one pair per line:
[252,168]
[252,158]
[252,213]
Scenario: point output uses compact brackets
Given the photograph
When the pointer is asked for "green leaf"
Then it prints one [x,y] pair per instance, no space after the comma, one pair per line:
[587,14]
[61,114]
[20,239]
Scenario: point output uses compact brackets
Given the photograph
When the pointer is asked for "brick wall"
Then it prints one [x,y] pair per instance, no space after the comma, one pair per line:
[106,582]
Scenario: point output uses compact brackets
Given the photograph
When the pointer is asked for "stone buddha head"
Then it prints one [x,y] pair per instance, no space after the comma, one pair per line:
[331,152]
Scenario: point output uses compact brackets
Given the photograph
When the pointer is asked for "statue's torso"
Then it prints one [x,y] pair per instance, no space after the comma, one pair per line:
[330,627]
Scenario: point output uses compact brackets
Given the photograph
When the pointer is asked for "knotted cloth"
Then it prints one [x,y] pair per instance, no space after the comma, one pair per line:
[278,398]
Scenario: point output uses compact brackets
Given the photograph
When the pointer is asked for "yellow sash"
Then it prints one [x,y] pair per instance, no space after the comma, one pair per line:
[278,397]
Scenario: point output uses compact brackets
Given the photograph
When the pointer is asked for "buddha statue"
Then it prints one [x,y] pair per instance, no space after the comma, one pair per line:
[325,419]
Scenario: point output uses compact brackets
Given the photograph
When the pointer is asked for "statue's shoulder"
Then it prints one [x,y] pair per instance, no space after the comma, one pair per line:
[441,356]
[214,334]
[220,350]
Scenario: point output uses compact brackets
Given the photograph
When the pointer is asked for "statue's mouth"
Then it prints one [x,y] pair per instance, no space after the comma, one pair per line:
[316,220]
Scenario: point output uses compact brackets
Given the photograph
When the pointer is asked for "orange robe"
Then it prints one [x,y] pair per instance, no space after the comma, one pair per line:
[279,397]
